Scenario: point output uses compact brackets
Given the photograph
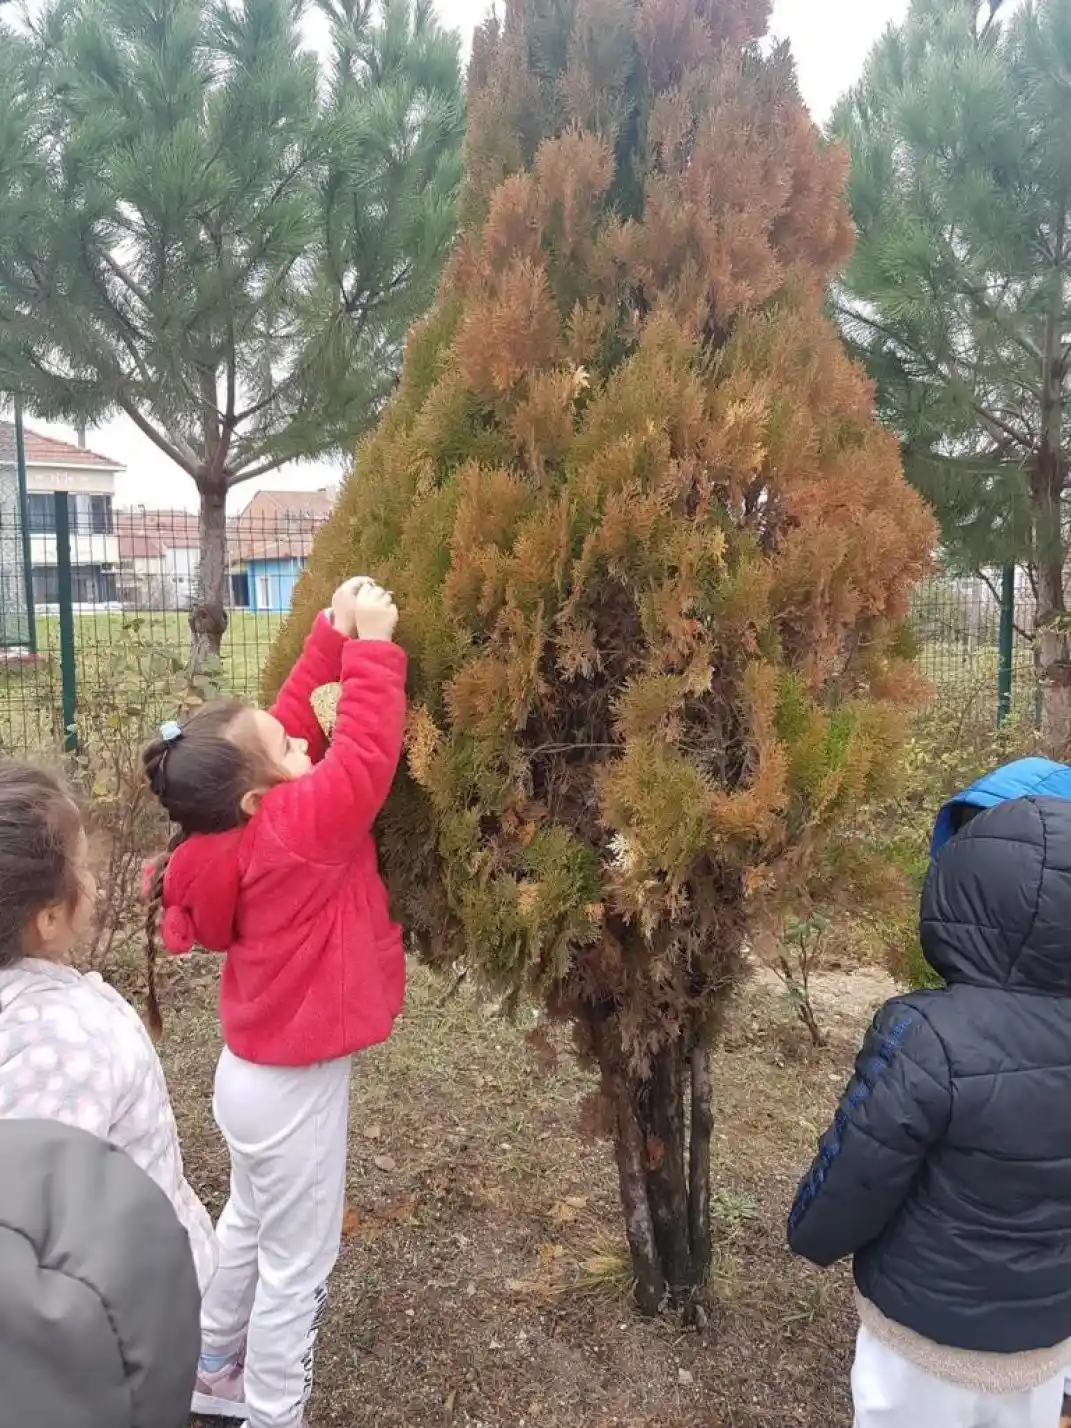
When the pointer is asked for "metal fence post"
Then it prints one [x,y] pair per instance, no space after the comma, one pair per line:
[65,591]
[1006,643]
[24,521]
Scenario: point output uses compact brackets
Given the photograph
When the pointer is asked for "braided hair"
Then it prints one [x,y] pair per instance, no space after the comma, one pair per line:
[200,774]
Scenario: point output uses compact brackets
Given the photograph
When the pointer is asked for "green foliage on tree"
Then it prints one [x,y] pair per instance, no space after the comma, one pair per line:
[204,228]
[652,552]
[959,292]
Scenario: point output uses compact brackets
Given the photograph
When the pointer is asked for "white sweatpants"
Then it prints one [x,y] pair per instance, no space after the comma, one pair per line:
[280,1232]
[890,1392]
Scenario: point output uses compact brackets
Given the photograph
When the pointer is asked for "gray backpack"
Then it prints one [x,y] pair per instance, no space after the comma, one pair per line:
[99,1304]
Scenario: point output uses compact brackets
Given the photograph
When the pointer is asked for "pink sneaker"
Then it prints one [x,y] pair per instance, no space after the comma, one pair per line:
[220,1394]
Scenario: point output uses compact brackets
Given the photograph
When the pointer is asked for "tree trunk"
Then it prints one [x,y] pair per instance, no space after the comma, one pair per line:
[1053,666]
[662,1144]
[1047,487]
[667,1186]
[632,1178]
[208,618]
[702,1126]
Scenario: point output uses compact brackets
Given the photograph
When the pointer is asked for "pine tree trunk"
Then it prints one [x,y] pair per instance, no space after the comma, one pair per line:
[1053,665]
[208,618]
[662,1144]
[1047,487]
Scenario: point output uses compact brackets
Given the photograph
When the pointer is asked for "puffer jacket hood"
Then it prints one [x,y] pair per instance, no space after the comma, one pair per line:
[201,888]
[99,1304]
[1022,778]
[996,907]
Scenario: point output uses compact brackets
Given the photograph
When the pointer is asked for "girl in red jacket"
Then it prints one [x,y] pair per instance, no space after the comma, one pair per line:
[274,865]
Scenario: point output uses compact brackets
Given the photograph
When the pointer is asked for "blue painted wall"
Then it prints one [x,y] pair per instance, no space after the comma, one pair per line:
[271,584]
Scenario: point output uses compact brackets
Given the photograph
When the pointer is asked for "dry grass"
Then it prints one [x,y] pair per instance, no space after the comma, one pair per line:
[482,1282]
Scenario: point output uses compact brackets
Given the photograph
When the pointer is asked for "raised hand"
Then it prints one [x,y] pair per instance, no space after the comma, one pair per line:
[343,612]
[375,613]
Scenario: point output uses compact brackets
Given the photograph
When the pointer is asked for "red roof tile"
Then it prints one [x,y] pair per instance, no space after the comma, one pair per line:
[48,451]
[139,547]
[274,507]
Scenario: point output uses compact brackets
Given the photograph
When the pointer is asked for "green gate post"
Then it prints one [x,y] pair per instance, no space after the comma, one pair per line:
[1007,640]
[65,589]
[24,522]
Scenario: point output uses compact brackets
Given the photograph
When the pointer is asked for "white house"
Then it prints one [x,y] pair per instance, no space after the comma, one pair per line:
[88,480]
[160,555]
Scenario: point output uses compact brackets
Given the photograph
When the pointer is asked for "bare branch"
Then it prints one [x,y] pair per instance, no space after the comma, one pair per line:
[170,449]
[995,425]
[127,281]
[230,421]
[996,594]
[269,464]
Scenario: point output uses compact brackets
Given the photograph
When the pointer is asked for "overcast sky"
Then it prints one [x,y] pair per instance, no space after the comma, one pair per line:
[830,40]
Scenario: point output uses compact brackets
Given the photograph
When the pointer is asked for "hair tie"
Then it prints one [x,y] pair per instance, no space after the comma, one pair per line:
[170,734]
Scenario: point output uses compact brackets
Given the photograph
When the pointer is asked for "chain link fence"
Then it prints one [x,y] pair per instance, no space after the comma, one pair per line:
[110,594]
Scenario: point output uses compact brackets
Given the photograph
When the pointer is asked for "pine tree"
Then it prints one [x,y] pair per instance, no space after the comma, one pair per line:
[959,293]
[203,228]
[652,551]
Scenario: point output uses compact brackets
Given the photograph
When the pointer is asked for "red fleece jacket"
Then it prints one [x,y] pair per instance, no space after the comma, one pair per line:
[314,966]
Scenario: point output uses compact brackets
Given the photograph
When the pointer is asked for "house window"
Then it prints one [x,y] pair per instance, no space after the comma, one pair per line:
[90,585]
[42,513]
[88,515]
[93,584]
[100,515]
[46,585]
[264,587]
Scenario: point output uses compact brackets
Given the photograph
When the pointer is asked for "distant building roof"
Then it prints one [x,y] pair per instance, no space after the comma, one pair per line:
[272,506]
[140,547]
[279,525]
[48,451]
[145,534]
[275,525]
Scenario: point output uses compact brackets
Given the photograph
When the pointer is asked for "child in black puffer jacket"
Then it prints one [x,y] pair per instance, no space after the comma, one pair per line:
[946,1173]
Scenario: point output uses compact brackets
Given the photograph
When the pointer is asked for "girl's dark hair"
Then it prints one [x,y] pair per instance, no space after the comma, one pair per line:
[200,779]
[39,828]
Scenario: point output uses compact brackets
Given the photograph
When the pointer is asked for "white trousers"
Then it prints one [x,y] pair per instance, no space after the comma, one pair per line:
[280,1232]
[890,1392]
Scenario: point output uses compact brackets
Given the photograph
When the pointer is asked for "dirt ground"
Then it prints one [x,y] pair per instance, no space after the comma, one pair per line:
[482,1282]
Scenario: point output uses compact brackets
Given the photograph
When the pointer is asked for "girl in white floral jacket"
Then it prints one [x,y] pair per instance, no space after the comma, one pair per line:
[71,1049]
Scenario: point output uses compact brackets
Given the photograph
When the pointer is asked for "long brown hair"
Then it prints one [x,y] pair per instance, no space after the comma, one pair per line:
[200,778]
[39,828]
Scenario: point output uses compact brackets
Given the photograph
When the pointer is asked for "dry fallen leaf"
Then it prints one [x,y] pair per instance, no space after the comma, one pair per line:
[350,1223]
[386,1163]
[399,1212]
[563,1213]
[372,1132]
